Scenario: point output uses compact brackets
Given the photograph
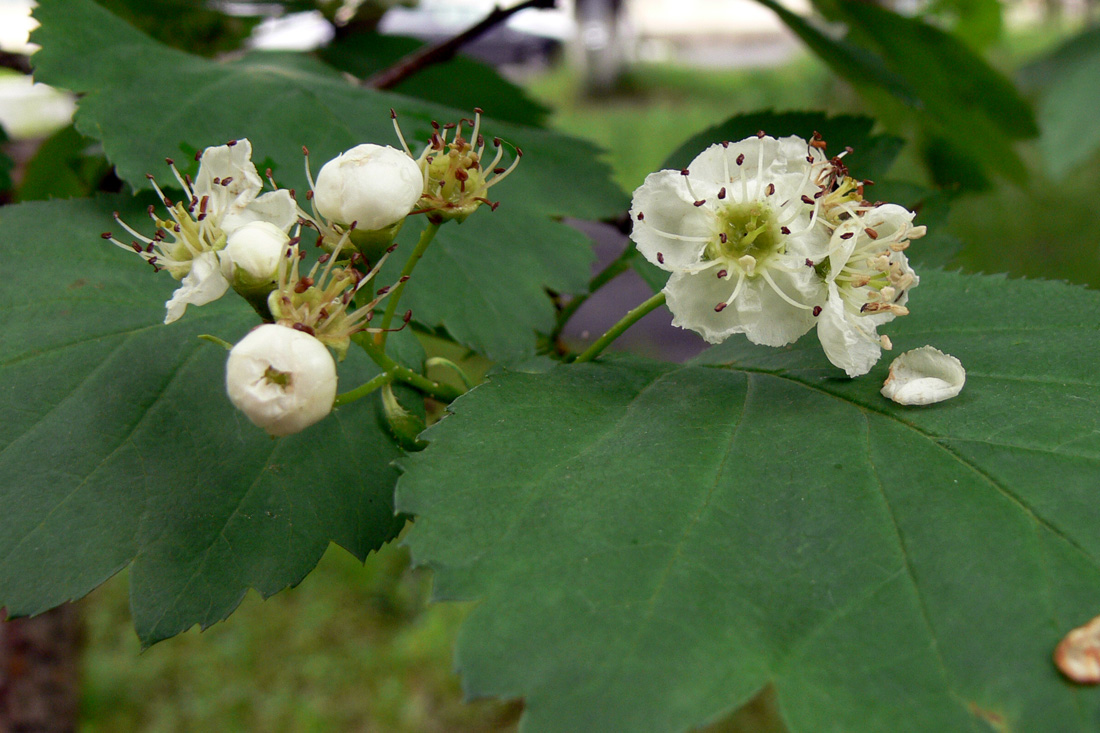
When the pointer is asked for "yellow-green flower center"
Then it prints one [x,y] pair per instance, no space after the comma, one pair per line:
[745,229]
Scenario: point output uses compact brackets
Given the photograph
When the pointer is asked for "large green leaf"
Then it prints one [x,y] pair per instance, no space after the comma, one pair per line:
[146,101]
[652,544]
[119,446]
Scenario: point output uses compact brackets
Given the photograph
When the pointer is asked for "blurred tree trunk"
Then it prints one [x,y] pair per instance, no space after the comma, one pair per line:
[39,672]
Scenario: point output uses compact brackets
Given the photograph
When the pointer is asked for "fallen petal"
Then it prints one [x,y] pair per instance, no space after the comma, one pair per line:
[923,376]
[1078,655]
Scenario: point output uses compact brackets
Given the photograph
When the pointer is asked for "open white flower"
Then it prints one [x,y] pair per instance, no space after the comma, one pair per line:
[222,199]
[741,229]
[282,379]
[375,186]
[868,279]
[924,376]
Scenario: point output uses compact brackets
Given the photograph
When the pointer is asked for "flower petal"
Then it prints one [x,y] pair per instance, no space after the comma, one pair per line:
[203,284]
[670,225]
[758,311]
[924,376]
[276,207]
[849,339]
[232,162]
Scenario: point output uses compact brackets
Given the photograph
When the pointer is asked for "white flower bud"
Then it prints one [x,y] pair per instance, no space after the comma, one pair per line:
[924,376]
[253,252]
[284,380]
[373,185]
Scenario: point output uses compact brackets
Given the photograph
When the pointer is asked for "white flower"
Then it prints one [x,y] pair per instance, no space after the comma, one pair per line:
[924,376]
[222,199]
[253,252]
[741,229]
[282,379]
[868,280]
[373,185]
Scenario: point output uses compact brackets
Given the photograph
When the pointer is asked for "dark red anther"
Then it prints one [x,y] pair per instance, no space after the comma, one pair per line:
[149,247]
[198,154]
[519,152]
[267,172]
[382,291]
[847,235]
[770,189]
[323,313]
[169,161]
[684,172]
[393,115]
[817,311]
[807,200]
[231,143]
[719,308]
[722,193]
[176,229]
[809,159]
[740,159]
[136,246]
[151,209]
[227,180]
[493,206]
[479,110]
[305,150]
[449,126]
[303,284]
[304,329]
[480,140]
[699,203]
[498,171]
[868,183]
[391,248]
[722,237]
[353,225]
[785,230]
[106,235]
[462,175]
[641,216]
[309,195]
[722,274]
[408,316]
[293,241]
[289,252]
[660,258]
[216,181]
[819,194]
[809,262]
[149,176]
[760,134]
[871,233]
[849,149]
[725,143]
[324,258]
[863,308]
[403,279]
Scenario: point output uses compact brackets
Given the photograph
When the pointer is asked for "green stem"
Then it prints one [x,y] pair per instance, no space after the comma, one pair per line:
[426,237]
[617,267]
[617,330]
[437,390]
[363,390]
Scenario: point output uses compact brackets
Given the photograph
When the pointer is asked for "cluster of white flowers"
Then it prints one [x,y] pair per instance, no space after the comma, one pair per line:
[771,238]
[224,234]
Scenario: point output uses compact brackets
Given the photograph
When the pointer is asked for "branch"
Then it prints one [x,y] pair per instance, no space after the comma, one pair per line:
[445,50]
[18,61]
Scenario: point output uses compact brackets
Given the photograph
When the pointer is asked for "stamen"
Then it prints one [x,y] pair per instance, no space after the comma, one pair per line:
[780,293]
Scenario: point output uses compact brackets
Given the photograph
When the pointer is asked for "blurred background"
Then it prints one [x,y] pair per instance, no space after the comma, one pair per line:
[360,649]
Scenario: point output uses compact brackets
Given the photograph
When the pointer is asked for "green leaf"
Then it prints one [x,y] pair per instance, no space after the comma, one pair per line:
[854,63]
[484,281]
[872,157]
[462,82]
[1069,106]
[146,101]
[651,544]
[6,165]
[962,97]
[119,447]
[63,168]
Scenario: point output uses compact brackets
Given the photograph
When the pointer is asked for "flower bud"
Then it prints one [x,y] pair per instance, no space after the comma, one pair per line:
[252,253]
[284,380]
[373,185]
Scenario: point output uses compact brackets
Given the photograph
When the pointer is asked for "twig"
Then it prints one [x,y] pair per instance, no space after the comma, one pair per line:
[390,77]
[18,61]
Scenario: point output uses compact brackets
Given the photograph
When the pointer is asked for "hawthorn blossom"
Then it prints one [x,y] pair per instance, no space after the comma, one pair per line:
[868,279]
[189,243]
[282,379]
[740,229]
